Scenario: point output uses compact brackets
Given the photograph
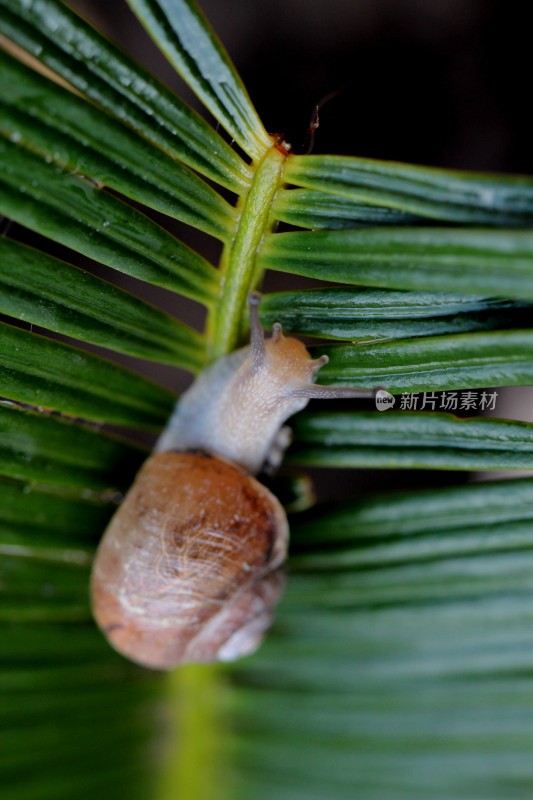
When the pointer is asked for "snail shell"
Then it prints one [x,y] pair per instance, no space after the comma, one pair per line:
[189,568]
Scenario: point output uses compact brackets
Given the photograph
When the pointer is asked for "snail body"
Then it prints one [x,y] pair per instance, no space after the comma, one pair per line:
[190,566]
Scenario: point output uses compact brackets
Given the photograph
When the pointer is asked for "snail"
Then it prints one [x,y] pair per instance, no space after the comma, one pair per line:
[190,568]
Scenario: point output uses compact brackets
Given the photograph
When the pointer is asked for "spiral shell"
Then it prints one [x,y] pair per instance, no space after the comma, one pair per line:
[189,568]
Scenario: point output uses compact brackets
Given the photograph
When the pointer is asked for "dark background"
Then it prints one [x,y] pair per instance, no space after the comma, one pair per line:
[439,82]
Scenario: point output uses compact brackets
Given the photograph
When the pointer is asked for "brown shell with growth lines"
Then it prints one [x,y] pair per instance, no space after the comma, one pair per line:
[189,568]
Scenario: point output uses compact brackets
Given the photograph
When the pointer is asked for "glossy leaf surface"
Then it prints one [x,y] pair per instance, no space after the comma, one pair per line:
[411,440]
[41,290]
[313,209]
[58,452]
[473,260]
[192,47]
[377,313]
[73,134]
[44,373]
[472,198]
[464,361]
[401,657]
[66,44]
[72,210]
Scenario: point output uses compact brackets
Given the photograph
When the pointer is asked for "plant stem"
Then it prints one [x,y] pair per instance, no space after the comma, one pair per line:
[237,263]
[193,754]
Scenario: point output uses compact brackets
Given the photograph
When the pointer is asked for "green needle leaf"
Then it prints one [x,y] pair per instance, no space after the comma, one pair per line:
[61,684]
[55,35]
[503,358]
[72,133]
[44,373]
[402,645]
[47,450]
[474,261]
[70,209]
[379,313]
[34,516]
[39,289]
[457,545]
[410,440]
[492,506]
[188,41]
[310,209]
[436,193]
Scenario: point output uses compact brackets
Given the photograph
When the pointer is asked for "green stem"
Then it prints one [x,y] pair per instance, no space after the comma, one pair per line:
[193,755]
[237,265]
